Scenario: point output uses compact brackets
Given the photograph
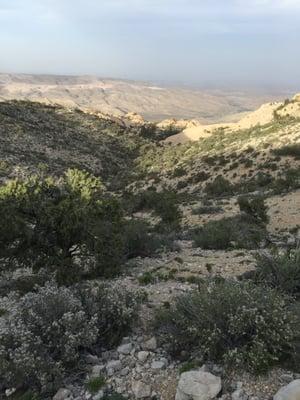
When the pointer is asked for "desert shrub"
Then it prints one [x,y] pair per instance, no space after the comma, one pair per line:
[292,150]
[65,225]
[189,366]
[200,176]
[148,131]
[238,324]
[93,385]
[255,207]
[179,172]
[146,278]
[164,204]
[28,395]
[219,187]
[241,231]
[42,336]
[280,270]
[113,306]
[262,179]
[141,240]
[182,184]
[44,333]
[206,210]
[213,235]
[248,163]
[5,168]
[289,181]
[167,208]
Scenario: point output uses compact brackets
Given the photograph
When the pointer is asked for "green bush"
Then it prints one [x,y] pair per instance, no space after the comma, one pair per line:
[44,334]
[164,204]
[69,226]
[255,207]
[289,181]
[219,187]
[292,150]
[241,231]
[93,385]
[41,336]
[281,271]
[206,210]
[146,278]
[140,240]
[113,306]
[238,324]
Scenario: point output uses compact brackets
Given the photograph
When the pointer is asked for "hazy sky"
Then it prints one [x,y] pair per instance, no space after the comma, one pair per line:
[193,41]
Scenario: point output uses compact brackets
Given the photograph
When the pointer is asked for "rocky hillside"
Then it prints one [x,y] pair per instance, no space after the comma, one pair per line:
[137,264]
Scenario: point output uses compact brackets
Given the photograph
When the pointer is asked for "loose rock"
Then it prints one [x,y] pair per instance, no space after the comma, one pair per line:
[141,390]
[289,392]
[198,385]
[125,348]
[142,356]
[63,394]
[151,344]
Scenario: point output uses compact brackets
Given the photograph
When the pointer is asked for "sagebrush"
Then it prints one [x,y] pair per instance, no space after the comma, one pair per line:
[238,324]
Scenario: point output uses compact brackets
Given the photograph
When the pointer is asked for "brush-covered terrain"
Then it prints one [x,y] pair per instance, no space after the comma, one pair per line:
[136,263]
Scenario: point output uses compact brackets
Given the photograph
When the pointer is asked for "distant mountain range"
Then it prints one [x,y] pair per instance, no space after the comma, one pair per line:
[118,97]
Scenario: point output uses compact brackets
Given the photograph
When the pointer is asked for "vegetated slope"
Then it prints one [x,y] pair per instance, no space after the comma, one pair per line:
[36,136]
[266,150]
[119,97]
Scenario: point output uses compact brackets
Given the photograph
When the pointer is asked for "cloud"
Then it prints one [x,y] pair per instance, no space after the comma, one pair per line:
[177,38]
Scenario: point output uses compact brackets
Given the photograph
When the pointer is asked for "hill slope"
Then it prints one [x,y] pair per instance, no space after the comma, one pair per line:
[190,229]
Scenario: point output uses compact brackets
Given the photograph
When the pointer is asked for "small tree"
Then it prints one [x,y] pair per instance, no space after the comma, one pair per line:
[55,224]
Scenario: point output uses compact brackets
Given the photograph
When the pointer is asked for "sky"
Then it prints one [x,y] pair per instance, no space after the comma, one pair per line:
[193,42]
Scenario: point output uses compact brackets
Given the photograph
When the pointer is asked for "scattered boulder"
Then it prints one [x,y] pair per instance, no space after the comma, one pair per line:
[150,344]
[158,364]
[289,392]
[114,365]
[91,359]
[98,395]
[125,348]
[97,370]
[142,356]
[141,390]
[239,394]
[63,394]
[198,385]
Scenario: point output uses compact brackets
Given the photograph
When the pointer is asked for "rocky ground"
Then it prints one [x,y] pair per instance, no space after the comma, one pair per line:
[140,367]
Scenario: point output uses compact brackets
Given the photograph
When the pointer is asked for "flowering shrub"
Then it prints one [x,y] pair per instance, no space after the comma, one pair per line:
[114,308]
[43,334]
[236,323]
[281,271]
[240,231]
